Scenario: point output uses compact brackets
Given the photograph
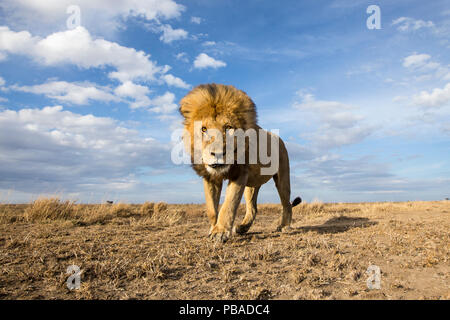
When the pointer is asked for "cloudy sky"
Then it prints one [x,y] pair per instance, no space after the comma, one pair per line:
[88,102]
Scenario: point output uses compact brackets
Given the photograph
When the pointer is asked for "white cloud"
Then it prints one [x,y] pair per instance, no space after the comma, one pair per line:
[135,91]
[95,15]
[308,101]
[360,177]
[416,60]
[130,89]
[410,24]
[436,98]
[175,81]
[136,95]
[209,43]
[182,56]
[196,20]
[52,149]
[204,61]
[76,93]
[169,34]
[426,69]
[330,137]
[16,42]
[335,123]
[77,47]
[164,104]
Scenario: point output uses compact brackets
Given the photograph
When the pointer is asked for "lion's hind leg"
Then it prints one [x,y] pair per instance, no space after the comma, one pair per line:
[251,196]
[284,191]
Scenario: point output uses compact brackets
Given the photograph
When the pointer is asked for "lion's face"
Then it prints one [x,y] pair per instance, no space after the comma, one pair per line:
[215,132]
[211,113]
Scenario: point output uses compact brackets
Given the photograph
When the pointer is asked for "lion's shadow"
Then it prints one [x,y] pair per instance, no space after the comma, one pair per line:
[338,225]
[333,225]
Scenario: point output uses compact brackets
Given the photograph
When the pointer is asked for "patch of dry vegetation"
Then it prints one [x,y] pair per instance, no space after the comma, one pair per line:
[307,209]
[147,209]
[50,209]
[54,209]
[161,251]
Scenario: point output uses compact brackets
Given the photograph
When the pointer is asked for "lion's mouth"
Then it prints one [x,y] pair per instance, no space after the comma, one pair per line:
[217,165]
[217,168]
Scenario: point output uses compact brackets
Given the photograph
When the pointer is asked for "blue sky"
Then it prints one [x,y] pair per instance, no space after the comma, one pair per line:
[87,111]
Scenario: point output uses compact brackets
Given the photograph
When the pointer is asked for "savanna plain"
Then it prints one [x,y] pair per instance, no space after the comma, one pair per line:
[161,251]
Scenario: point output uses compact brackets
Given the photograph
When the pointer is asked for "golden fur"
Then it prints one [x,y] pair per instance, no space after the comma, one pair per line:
[220,107]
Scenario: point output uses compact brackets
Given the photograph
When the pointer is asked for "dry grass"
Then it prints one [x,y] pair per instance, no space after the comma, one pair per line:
[50,209]
[147,209]
[305,209]
[160,251]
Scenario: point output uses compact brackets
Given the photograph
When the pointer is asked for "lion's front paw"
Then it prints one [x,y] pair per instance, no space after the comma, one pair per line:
[241,228]
[219,234]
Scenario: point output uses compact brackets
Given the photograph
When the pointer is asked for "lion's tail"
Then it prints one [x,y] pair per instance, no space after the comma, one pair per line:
[296,201]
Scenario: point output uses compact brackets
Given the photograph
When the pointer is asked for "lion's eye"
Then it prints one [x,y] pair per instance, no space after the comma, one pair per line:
[204,129]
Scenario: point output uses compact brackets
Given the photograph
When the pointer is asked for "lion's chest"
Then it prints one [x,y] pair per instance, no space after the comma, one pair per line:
[255,179]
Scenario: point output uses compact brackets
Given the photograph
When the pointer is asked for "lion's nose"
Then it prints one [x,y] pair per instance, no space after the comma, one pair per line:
[214,154]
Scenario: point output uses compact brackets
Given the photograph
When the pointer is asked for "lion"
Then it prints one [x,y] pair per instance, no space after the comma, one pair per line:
[223,109]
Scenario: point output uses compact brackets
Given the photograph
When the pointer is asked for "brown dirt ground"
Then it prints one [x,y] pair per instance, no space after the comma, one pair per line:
[127,253]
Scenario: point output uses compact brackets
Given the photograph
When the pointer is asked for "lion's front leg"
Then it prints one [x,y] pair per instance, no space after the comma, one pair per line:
[222,230]
[212,197]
